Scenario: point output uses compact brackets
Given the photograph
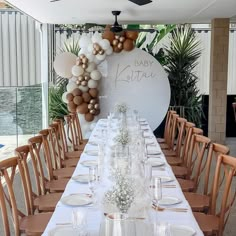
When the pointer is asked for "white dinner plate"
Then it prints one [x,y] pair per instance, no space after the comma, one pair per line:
[89,163]
[181,230]
[91,152]
[165,179]
[81,178]
[154,162]
[153,152]
[62,231]
[79,199]
[169,201]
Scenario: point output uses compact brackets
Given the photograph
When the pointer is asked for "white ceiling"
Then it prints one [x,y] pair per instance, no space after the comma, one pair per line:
[99,11]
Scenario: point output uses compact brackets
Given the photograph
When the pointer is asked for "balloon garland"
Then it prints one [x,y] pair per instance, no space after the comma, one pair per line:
[82,94]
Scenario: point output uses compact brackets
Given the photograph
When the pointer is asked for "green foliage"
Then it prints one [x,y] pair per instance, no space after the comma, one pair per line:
[181,58]
[162,31]
[57,108]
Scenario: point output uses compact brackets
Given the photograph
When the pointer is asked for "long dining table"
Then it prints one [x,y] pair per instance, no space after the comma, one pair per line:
[62,216]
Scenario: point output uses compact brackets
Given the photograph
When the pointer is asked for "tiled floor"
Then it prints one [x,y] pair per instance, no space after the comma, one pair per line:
[230,229]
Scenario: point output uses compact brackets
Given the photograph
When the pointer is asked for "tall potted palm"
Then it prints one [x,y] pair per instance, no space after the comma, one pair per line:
[181,58]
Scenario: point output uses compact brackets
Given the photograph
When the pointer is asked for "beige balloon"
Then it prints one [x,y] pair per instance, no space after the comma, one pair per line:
[77,70]
[63,63]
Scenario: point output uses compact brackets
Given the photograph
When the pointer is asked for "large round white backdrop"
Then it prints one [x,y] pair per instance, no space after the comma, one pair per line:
[137,79]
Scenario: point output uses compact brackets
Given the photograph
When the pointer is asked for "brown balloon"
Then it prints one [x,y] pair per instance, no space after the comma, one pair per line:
[93,92]
[78,100]
[108,35]
[83,108]
[72,105]
[128,45]
[69,97]
[89,117]
[72,110]
[131,35]
[76,92]
[86,96]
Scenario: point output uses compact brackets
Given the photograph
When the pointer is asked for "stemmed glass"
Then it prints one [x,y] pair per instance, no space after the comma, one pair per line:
[93,175]
[156,190]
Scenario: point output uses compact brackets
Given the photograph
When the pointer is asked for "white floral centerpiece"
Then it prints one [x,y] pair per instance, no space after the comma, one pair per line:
[121,194]
[121,108]
[123,137]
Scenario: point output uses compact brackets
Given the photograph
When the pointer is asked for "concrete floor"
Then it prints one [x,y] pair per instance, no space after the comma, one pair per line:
[230,229]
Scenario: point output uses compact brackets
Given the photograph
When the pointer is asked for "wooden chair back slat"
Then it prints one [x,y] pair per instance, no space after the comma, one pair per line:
[7,197]
[49,152]
[180,131]
[227,165]
[37,154]
[23,153]
[199,145]
[71,131]
[214,150]
[173,131]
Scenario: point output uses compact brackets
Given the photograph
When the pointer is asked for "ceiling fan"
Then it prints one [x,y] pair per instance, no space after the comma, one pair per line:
[117,28]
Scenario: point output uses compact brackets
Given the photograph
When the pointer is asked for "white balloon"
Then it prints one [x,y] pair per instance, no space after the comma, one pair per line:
[84,41]
[109,51]
[73,79]
[83,88]
[83,51]
[63,98]
[63,63]
[91,66]
[96,38]
[77,70]
[105,44]
[101,57]
[90,48]
[90,56]
[71,86]
[96,61]
[92,83]
[96,75]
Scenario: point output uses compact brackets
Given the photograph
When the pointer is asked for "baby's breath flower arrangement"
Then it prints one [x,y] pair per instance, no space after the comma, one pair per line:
[121,108]
[122,193]
[123,137]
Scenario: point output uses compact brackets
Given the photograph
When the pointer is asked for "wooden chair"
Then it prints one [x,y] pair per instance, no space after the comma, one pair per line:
[29,224]
[69,158]
[39,201]
[74,132]
[214,223]
[166,130]
[182,171]
[201,201]
[169,131]
[53,152]
[47,182]
[173,157]
[199,145]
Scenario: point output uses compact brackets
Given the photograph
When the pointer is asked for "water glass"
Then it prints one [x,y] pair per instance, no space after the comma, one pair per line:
[93,176]
[156,190]
[147,171]
[79,219]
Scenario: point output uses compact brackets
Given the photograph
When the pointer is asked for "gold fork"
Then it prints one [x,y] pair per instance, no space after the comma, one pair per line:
[157,208]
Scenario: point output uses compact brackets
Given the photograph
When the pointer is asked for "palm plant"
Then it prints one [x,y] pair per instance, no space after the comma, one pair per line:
[181,57]
[56,107]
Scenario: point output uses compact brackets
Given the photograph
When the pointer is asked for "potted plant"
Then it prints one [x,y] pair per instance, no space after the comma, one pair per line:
[181,58]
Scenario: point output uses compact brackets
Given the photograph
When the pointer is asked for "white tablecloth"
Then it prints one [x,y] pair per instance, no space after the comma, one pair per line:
[63,213]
